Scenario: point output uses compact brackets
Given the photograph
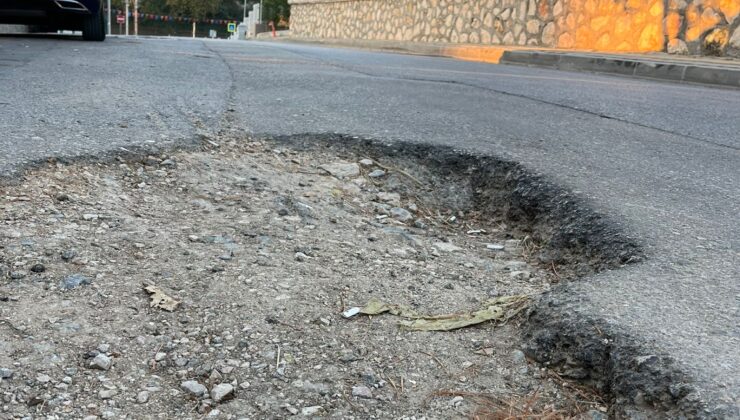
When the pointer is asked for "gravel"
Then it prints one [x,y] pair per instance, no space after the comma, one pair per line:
[222,392]
[194,388]
[341,170]
[142,397]
[378,173]
[400,214]
[6,373]
[262,330]
[101,362]
[74,281]
[362,392]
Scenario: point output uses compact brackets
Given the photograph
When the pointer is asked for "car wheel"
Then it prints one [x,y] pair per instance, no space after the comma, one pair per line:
[93,27]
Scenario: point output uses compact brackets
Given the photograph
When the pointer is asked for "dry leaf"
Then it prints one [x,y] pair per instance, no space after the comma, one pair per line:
[500,310]
[160,299]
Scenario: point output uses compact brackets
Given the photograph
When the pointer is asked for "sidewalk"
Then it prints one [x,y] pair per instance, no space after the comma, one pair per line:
[706,70]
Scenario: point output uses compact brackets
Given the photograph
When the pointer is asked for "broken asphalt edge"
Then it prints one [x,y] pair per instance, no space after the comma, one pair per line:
[638,380]
[566,60]
[14,173]
[610,358]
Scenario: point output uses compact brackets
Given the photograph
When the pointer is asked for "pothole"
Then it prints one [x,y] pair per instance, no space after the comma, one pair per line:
[266,244]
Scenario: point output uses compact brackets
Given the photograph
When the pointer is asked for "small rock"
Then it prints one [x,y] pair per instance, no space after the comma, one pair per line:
[17,275]
[457,401]
[362,391]
[341,170]
[6,373]
[101,362]
[104,348]
[62,197]
[520,275]
[318,388]
[400,214]
[142,397]
[367,162]
[90,217]
[495,247]
[160,356]
[312,411]
[292,410]
[595,415]
[69,255]
[43,378]
[301,257]
[194,388]
[419,224]
[378,173]
[518,357]
[38,268]
[215,376]
[222,392]
[73,281]
[447,247]
[107,394]
[390,198]
[515,265]
[649,359]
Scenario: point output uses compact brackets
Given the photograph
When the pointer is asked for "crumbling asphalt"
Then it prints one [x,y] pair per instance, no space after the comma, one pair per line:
[660,161]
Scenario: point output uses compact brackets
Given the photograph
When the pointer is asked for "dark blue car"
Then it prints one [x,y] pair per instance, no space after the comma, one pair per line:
[53,15]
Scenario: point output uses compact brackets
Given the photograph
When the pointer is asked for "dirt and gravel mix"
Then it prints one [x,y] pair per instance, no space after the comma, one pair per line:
[257,250]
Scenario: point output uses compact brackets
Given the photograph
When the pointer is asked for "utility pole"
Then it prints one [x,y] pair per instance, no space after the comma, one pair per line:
[127,1]
[136,17]
[245,11]
[261,7]
[109,18]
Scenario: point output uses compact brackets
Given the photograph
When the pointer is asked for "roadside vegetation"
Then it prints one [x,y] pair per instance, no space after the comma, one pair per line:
[277,11]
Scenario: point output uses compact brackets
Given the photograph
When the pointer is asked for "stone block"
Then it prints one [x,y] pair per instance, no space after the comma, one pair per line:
[548,35]
[672,23]
[735,39]
[677,46]
[533,26]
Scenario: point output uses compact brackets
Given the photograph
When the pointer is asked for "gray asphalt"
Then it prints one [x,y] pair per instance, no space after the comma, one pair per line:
[661,159]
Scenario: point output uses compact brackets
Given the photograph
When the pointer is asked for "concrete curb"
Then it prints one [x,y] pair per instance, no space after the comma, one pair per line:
[669,68]
[676,71]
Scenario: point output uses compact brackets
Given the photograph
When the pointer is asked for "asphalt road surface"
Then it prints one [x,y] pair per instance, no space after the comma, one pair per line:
[661,159]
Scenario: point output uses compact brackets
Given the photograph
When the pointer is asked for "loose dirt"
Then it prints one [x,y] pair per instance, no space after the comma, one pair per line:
[263,249]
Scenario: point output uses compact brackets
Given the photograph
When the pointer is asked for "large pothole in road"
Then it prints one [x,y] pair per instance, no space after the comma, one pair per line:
[265,245]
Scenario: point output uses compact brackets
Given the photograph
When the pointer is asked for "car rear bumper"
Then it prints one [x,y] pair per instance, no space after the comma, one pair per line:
[62,13]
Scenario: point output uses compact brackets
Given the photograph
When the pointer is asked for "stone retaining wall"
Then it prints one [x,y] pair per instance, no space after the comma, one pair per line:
[677,26]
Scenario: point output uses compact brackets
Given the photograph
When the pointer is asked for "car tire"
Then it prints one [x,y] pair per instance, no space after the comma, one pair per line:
[93,27]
